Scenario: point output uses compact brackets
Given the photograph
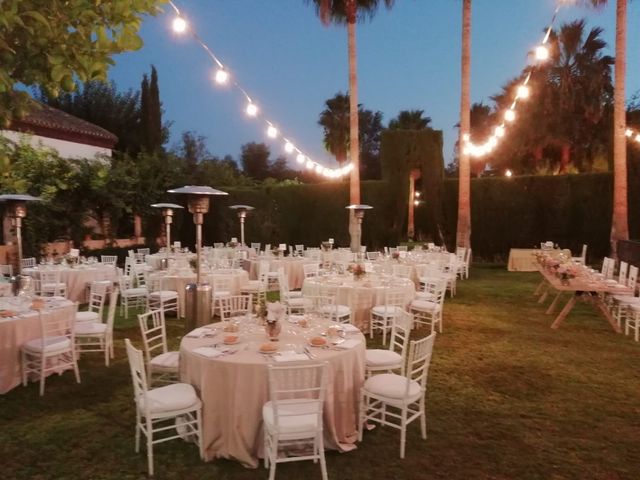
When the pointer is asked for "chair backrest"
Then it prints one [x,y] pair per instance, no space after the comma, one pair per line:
[622,274]
[283,284]
[153,282]
[419,359]
[139,277]
[400,332]
[435,288]
[97,296]
[267,247]
[111,312]
[28,262]
[129,262]
[51,280]
[584,253]
[56,325]
[402,271]
[234,306]
[296,392]
[428,270]
[402,248]
[321,304]
[144,251]
[607,269]
[310,270]
[109,259]
[136,366]
[461,253]
[6,270]
[632,280]
[373,256]
[74,252]
[221,283]
[299,248]
[394,296]
[154,333]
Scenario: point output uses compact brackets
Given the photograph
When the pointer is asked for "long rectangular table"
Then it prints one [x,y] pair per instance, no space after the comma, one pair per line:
[523,259]
[580,288]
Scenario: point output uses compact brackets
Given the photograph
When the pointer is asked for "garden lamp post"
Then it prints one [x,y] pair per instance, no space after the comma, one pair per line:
[167,213]
[242,211]
[358,211]
[198,295]
[17,210]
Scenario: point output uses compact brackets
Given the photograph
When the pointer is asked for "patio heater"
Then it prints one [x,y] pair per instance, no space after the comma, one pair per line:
[17,210]
[198,295]
[167,213]
[358,211]
[242,211]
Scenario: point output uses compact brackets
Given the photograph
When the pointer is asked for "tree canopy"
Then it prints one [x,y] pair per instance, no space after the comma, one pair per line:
[53,43]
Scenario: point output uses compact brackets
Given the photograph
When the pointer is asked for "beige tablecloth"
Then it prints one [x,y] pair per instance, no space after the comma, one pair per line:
[234,388]
[14,332]
[238,277]
[359,295]
[523,260]
[78,277]
[293,267]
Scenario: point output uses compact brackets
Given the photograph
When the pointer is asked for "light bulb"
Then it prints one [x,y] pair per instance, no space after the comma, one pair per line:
[638,138]
[221,76]
[252,110]
[179,25]
[542,52]
[272,131]
[510,115]
[629,132]
[300,158]
[523,91]
[309,164]
[499,132]
[319,169]
[416,202]
[417,194]
[288,147]
[465,137]
[508,173]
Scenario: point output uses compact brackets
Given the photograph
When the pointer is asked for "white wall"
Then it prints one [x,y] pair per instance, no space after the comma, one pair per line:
[65,148]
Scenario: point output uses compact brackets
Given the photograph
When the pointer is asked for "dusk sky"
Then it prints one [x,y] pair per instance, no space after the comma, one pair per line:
[278,50]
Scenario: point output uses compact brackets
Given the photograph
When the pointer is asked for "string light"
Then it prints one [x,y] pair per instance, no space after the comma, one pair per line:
[510,115]
[222,77]
[179,25]
[523,92]
[508,173]
[542,53]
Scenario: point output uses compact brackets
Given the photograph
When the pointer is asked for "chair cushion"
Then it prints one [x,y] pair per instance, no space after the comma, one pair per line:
[300,302]
[626,299]
[90,328]
[425,306]
[52,286]
[51,344]
[177,396]
[391,385]
[138,291]
[380,358]
[425,296]
[164,294]
[251,286]
[386,310]
[295,294]
[339,310]
[293,417]
[168,360]
[87,317]
[221,293]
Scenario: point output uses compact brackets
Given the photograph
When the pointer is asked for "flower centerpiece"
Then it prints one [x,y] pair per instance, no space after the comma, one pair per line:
[276,252]
[565,272]
[71,260]
[357,269]
[232,244]
[327,246]
[396,256]
[271,313]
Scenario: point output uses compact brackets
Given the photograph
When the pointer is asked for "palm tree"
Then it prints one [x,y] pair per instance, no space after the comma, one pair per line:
[463,231]
[620,217]
[350,12]
[334,120]
[410,120]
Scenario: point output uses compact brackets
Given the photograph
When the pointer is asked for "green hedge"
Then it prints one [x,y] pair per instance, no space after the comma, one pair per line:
[506,212]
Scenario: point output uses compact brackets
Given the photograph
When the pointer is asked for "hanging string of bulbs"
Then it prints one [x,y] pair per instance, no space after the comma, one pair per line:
[223,77]
[523,92]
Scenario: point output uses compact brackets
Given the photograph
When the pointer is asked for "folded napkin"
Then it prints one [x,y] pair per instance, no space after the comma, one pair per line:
[348,328]
[347,344]
[290,356]
[208,352]
[197,332]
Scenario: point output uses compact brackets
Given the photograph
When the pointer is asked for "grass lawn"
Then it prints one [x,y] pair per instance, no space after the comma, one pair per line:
[508,398]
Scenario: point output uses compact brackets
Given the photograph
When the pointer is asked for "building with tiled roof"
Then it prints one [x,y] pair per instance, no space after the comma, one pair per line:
[70,136]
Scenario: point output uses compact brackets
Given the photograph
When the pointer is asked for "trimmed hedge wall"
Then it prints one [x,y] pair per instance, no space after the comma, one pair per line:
[506,213]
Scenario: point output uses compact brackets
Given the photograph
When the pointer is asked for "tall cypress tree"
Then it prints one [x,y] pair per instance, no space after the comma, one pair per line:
[144,113]
[155,113]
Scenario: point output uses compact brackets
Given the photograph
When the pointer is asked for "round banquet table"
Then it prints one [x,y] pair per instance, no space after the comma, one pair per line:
[293,268]
[359,295]
[17,330]
[234,387]
[177,281]
[78,277]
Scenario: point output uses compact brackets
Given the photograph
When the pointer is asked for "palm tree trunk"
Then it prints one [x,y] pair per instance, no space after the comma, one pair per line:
[463,235]
[619,221]
[354,143]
